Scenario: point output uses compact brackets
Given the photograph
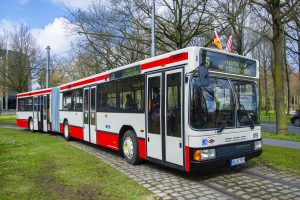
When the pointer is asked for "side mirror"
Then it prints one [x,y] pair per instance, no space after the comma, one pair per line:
[203,76]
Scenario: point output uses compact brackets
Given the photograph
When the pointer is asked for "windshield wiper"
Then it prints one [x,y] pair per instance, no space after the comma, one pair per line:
[223,125]
[251,124]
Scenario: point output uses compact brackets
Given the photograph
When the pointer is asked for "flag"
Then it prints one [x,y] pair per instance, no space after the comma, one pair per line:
[217,41]
[229,44]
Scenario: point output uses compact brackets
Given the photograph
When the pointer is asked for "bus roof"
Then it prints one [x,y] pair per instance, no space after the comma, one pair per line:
[165,60]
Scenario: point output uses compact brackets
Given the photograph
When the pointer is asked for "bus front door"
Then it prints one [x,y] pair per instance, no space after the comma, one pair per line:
[89,114]
[164,117]
[173,117]
[153,116]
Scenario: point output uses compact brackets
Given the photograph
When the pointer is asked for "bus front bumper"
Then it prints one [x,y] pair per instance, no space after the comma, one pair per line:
[224,154]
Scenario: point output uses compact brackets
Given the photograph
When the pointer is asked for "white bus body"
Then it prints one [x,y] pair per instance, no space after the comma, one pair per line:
[151,109]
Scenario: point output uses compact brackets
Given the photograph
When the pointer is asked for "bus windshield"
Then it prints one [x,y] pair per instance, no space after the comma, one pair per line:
[246,102]
[229,102]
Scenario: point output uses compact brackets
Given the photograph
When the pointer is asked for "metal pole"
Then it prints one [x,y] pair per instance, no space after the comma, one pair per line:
[153,30]
[48,67]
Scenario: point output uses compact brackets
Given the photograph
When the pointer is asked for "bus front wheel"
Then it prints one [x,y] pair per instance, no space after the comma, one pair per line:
[130,148]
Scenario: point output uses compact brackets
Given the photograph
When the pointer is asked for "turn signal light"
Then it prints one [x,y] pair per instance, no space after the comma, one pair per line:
[197,155]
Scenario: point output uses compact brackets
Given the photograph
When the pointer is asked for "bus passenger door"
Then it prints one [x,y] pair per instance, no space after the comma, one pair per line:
[35,113]
[40,112]
[153,116]
[45,111]
[93,114]
[86,113]
[173,116]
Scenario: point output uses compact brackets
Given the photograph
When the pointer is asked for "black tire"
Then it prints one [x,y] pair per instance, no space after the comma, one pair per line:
[134,159]
[31,125]
[67,131]
[297,122]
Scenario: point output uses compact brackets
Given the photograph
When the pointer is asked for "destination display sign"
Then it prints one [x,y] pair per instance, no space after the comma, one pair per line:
[132,71]
[229,64]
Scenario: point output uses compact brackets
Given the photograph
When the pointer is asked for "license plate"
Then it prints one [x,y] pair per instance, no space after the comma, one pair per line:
[237,161]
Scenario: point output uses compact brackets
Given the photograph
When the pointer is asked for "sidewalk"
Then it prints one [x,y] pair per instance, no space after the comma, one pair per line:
[8,112]
[282,143]
[11,126]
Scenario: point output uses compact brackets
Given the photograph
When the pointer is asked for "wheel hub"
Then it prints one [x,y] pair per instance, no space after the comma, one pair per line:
[66,131]
[128,148]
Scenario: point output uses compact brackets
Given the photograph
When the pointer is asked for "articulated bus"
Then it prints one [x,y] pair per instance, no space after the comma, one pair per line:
[186,109]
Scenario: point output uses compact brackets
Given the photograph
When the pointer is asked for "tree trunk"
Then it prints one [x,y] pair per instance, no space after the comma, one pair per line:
[287,80]
[267,98]
[299,52]
[281,127]
[259,97]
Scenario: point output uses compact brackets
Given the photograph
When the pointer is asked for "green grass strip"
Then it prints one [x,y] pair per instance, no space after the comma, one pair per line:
[39,166]
[280,158]
[7,119]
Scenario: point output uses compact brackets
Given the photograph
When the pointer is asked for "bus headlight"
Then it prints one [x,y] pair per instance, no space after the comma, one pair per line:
[205,154]
[257,145]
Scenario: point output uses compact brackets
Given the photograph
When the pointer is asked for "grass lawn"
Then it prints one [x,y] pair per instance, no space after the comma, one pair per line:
[280,158]
[7,119]
[290,136]
[38,166]
[271,118]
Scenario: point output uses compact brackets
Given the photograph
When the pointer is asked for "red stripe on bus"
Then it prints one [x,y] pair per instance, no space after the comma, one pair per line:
[165,61]
[61,128]
[22,123]
[109,140]
[50,127]
[187,158]
[34,93]
[76,132]
[85,82]
[142,148]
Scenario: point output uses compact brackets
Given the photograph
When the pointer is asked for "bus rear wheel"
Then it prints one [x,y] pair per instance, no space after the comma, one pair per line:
[31,128]
[66,131]
[130,148]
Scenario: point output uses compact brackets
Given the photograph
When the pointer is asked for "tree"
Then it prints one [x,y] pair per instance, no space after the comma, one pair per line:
[263,52]
[119,32]
[277,12]
[58,73]
[21,63]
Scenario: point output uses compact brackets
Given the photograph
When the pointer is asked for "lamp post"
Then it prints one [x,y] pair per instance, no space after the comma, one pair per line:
[153,29]
[48,67]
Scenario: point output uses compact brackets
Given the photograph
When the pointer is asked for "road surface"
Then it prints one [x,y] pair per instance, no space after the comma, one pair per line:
[272,128]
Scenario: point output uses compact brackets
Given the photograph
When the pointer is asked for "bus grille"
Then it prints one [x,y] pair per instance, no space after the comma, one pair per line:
[234,149]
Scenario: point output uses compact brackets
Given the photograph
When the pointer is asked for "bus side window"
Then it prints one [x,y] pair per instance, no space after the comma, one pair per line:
[107,93]
[67,100]
[131,92]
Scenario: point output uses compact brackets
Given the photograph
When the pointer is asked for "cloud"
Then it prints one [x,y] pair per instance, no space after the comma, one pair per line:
[73,3]
[55,35]
[6,26]
[23,2]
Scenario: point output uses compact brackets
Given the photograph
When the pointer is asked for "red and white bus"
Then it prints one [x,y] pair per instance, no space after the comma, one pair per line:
[185,109]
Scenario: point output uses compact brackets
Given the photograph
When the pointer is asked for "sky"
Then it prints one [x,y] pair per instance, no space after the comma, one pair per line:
[45,18]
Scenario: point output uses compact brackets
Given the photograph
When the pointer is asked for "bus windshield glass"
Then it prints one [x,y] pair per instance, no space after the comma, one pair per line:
[246,102]
[222,102]
[212,105]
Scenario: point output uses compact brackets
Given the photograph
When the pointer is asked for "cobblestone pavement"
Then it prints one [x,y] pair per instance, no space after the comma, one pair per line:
[248,182]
